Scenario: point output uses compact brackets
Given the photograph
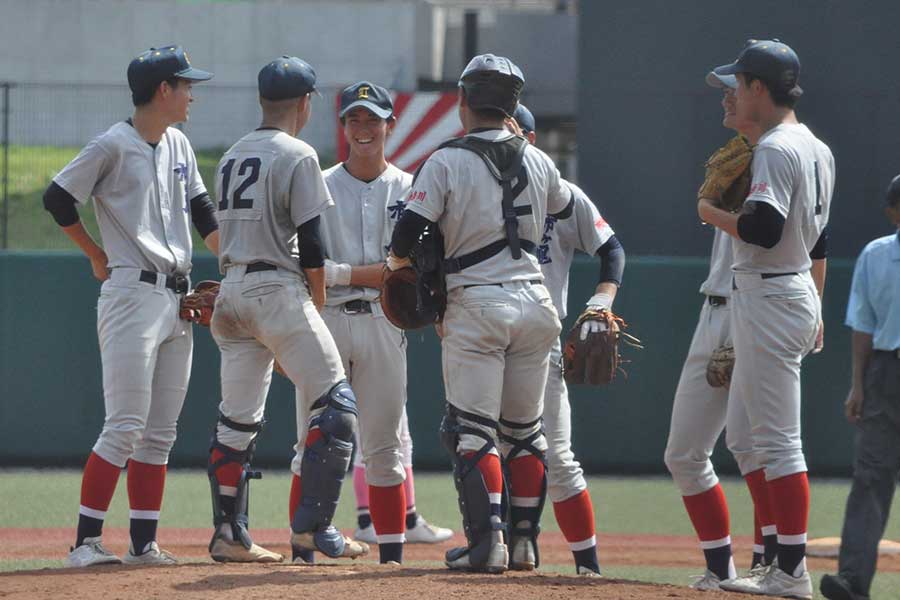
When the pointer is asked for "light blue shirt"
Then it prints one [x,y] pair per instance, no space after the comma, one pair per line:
[874,305]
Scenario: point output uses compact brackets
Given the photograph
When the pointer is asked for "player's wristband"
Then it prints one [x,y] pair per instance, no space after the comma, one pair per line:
[337,273]
[600,301]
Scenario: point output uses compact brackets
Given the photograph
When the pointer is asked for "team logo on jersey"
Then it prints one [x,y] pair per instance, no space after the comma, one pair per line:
[181,171]
[600,223]
[759,188]
[363,93]
[543,250]
[396,209]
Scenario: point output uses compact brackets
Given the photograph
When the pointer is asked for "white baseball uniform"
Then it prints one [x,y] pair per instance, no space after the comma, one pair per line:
[500,321]
[585,231]
[700,412]
[357,231]
[268,183]
[142,199]
[775,306]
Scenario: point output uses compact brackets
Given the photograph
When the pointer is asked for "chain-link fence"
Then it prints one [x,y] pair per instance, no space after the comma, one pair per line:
[44,125]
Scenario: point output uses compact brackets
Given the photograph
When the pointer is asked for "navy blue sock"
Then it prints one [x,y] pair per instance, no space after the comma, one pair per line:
[587,559]
[411,519]
[88,527]
[308,556]
[718,560]
[771,545]
[363,520]
[790,556]
[390,552]
[143,531]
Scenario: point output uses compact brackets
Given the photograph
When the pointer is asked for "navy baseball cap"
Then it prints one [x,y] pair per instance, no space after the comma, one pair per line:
[773,61]
[286,77]
[372,97]
[524,118]
[153,66]
[721,81]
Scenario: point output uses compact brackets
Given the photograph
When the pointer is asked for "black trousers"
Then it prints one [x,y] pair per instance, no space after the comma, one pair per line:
[875,472]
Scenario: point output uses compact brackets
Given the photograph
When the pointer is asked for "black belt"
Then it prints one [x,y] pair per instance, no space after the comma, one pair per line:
[256,267]
[357,306]
[531,281]
[717,300]
[176,283]
[891,353]
[774,275]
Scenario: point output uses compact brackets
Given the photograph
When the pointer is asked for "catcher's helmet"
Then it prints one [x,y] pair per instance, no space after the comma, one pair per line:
[492,82]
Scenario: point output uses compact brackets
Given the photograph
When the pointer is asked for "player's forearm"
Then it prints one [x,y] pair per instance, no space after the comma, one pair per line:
[861,346]
[607,288]
[717,217]
[315,278]
[212,242]
[819,267]
[367,275]
[78,234]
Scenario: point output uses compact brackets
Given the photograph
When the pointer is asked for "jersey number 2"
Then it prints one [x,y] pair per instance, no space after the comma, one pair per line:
[237,201]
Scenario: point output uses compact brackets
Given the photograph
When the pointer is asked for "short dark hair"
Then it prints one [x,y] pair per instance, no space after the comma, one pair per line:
[780,96]
[144,96]
[487,114]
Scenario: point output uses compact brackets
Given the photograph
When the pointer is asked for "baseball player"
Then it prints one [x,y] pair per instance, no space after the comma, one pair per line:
[143,178]
[586,231]
[500,322]
[271,195]
[700,412]
[778,278]
[418,529]
[368,197]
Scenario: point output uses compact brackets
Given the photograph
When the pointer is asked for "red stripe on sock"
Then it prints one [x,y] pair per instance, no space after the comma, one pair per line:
[98,484]
[489,465]
[709,514]
[526,476]
[294,500]
[790,499]
[313,436]
[387,505]
[146,484]
[575,516]
[762,501]
[228,474]
[409,488]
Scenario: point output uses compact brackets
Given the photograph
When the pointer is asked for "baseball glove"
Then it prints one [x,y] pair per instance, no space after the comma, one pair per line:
[594,359]
[399,299]
[720,366]
[727,182]
[198,305]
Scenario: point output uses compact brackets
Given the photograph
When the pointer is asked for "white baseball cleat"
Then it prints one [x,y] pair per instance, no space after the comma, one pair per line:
[522,556]
[586,572]
[708,582]
[774,582]
[151,555]
[367,535]
[90,553]
[425,533]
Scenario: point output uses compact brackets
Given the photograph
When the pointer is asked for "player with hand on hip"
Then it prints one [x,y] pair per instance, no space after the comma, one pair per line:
[500,322]
[142,175]
[588,232]
[271,197]
[700,412]
[778,278]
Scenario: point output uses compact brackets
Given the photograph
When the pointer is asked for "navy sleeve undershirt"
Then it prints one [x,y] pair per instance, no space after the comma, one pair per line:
[760,224]
[61,204]
[203,214]
[612,261]
[309,244]
[408,229]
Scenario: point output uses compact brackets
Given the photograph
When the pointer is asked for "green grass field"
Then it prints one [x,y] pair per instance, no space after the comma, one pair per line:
[49,498]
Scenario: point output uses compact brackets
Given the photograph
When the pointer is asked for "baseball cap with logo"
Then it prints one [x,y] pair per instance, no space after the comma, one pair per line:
[524,118]
[773,61]
[368,95]
[153,66]
[286,77]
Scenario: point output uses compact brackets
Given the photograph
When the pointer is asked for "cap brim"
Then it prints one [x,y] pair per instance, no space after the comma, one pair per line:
[721,81]
[382,113]
[731,69]
[194,74]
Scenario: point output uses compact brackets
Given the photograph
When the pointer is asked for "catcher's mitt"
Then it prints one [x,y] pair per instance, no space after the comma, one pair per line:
[720,366]
[198,305]
[727,182]
[399,299]
[595,359]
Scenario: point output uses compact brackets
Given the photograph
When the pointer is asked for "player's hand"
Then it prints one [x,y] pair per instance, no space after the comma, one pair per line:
[853,406]
[703,207]
[820,338]
[514,126]
[98,266]
[393,263]
[439,329]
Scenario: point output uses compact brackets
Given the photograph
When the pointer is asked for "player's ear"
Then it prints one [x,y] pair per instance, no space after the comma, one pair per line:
[390,123]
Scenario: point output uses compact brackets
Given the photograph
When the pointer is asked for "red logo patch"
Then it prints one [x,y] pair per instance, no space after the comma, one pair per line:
[415,196]
[759,188]
[600,223]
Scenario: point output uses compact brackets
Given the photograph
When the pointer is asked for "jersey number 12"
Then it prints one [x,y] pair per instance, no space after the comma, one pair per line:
[249,169]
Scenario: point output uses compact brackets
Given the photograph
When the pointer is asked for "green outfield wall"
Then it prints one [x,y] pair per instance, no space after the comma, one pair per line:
[51,402]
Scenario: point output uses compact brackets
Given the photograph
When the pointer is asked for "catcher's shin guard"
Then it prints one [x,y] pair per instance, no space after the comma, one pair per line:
[238,517]
[323,467]
[484,528]
[525,521]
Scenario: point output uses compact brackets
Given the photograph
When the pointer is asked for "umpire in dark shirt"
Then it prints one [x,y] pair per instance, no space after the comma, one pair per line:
[873,403]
